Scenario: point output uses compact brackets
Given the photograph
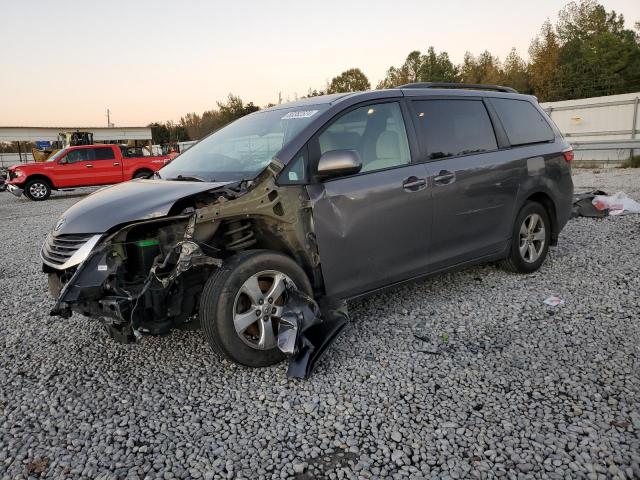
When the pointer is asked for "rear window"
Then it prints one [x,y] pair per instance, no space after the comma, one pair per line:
[104,153]
[522,121]
[454,127]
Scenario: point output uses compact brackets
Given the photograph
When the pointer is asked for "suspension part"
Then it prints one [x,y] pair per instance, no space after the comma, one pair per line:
[240,235]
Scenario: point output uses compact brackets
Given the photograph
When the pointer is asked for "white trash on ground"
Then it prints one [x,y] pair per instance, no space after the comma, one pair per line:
[618,204]
[554,301]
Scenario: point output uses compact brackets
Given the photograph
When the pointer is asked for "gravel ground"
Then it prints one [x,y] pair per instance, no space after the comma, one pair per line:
[499,385]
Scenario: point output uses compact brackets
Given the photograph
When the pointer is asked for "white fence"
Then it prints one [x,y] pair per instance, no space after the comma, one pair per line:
[604,124]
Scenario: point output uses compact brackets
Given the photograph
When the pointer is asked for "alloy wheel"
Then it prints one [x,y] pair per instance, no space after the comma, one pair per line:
[532,238]
[258,307]
[38,190]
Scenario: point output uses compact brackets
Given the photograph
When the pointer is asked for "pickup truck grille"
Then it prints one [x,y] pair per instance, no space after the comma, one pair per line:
[57,250]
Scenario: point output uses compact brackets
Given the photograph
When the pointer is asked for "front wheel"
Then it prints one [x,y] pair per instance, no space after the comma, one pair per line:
[37,189]
[242,302]
[530,239]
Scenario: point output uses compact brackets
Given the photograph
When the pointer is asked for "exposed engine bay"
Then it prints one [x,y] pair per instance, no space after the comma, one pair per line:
[147,277]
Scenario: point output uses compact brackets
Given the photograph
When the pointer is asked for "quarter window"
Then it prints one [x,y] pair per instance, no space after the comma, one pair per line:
[296,170]
[454,127]
[376,132]
[522,121]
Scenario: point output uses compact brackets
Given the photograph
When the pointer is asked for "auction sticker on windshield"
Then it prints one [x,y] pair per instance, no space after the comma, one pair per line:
[300,114]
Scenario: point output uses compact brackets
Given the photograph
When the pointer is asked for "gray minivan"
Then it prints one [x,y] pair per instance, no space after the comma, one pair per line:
[327,198]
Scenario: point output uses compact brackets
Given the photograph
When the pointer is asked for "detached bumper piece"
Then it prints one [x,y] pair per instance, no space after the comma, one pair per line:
[305,331]
[14,190]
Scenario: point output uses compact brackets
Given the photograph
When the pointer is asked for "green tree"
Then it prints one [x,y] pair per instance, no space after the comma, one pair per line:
[352,80]
[483,69]
[544,64]
[235,108]
[192,123]
[394,78]
[437,67]
[198,126]
[314,93]
[163,133]
[589,53]
[430,67]
[515,73]
[412,67]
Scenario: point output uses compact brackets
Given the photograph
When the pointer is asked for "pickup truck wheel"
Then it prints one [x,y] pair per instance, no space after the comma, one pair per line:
[241,302]
[530,240]
[37,189]
[143,174]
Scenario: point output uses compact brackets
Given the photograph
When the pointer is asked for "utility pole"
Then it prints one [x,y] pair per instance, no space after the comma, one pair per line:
[108,118]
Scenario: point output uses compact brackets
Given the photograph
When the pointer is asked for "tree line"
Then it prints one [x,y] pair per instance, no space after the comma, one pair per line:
[193,126]
[588,52]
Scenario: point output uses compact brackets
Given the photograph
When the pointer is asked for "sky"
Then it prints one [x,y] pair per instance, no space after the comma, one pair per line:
[64,62]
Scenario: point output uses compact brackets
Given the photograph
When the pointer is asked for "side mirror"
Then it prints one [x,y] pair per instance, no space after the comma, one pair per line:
[338,163]
[62,161]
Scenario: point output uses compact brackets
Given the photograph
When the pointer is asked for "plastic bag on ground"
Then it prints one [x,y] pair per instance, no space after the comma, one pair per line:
[618,204]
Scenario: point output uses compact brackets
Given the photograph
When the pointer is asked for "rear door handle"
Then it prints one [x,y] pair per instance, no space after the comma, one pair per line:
[89,166]
[414,183]
[116,164]
[445,177]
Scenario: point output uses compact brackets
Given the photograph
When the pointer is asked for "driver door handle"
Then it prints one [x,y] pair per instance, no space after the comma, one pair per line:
[414,183]
[116,164]
[89,165]
[445,177]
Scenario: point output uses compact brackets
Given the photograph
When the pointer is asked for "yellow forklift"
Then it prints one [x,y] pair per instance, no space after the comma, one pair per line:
[65,139]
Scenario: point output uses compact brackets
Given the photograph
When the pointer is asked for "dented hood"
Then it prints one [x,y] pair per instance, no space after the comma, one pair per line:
[127,202]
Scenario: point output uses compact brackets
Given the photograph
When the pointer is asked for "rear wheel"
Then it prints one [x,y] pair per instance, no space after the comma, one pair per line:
[37,189]
[143,174]
[530,239]
[242,302]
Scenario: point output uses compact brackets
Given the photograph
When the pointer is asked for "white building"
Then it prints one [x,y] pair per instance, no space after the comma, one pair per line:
[600,123]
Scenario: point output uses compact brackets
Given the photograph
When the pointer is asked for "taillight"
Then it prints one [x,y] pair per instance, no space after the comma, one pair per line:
[568,154]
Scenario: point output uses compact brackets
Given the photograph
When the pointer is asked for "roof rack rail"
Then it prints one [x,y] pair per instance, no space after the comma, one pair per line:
[470,86]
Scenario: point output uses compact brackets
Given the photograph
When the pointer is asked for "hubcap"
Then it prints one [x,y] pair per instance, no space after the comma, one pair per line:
[532,238]
[38,190]
[258,307]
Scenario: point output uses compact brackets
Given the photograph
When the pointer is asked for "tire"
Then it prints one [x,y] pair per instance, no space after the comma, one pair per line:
[37,189]
[143,174]
[224,296]
[522,259]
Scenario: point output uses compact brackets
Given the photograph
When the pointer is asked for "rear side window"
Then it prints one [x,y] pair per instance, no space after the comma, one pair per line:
[522,121]
[454,127]
[104,153]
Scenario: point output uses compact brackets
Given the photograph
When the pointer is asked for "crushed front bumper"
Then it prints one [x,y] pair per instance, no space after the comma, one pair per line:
[17,191]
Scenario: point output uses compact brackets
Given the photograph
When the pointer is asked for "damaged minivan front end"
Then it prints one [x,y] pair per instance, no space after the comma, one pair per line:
[147,276]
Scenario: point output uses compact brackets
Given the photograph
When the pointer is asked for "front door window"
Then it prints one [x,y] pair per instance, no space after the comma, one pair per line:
[376,132]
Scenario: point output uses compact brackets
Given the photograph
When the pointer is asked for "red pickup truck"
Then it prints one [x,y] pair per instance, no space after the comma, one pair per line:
[83,166]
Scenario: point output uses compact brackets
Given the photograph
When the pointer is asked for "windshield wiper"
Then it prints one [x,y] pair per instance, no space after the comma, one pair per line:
[187,178]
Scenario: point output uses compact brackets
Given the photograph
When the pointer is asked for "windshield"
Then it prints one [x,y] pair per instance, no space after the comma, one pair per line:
[56,155]
[243,148]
